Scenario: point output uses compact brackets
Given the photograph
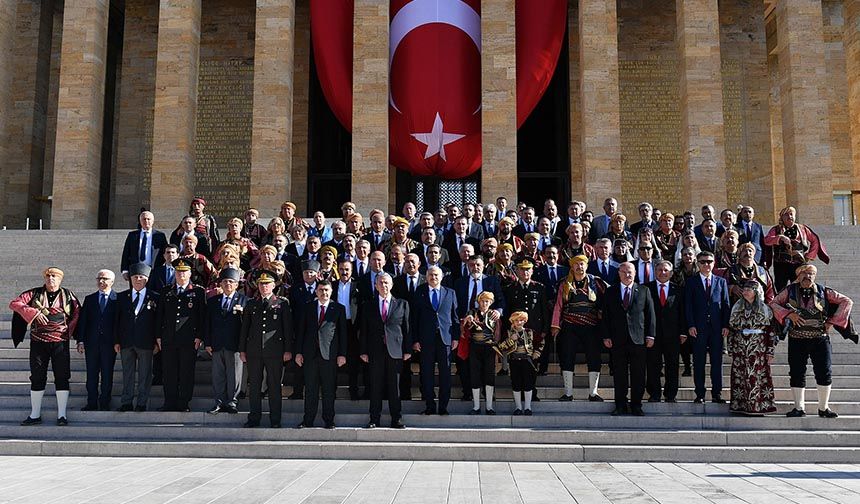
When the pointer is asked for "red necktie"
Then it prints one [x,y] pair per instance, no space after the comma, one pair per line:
[647,272]
[384,310]
[708,286]
[662,295]
[322,314]
[626,297]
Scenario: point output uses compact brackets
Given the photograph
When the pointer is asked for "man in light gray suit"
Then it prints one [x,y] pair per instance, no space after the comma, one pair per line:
[385,343]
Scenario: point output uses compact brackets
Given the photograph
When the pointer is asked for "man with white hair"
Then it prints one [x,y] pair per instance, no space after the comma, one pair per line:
[95,337]
[145,244]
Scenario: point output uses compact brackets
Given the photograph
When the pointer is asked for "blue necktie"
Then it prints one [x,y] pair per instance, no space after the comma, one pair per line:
[170,275]
[434,300]
[143,246]
[102,302]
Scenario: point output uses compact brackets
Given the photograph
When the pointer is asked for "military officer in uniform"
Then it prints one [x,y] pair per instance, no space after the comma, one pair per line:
[528,296]
[179,326]
[266,343]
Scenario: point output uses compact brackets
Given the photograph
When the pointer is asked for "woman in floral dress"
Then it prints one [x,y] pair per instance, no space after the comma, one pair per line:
[751,344]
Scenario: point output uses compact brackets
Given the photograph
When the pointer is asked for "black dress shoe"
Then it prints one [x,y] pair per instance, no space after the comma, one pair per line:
[397,424]
[214,411]
[429,411]
[62,422]
[653,399]
[595,398]
[330,426]
[32,421]
[828,413]
[405,397]
[104,407]
[302,425]
[637,411]
[251,424]
[91,407]
[230,409]
[565,398]
[687,372]
[443,412]
[518,412]
[527,412]
[475,411]
[125,407]
[241,395]
[353,396]
[276,425]
[165,409]
[490,412]
[139,409]
[535,397]
[795,413]
[718,400]
[620,410]
[671,400]
[370,425]
[699,400]
[296,396]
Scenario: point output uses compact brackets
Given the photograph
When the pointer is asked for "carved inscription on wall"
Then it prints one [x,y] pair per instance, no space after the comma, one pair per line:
[223,147]
[650,130]
[733,126]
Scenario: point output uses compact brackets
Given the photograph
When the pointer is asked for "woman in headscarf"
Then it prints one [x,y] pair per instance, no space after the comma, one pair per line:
[617,229]
[727,255]
[751,343]
[688,239]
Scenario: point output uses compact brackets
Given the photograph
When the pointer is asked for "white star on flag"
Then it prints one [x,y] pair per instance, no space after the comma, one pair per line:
[437,139]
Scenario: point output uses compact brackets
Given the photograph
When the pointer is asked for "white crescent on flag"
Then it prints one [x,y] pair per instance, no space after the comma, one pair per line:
[423,12]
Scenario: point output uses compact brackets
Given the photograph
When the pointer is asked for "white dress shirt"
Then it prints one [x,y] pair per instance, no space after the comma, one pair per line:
[139,304]
[343,292]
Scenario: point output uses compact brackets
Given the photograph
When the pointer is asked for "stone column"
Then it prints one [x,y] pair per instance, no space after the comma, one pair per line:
[273,104]
[7,32]
[174,121]
[80,114]
[370,105]
[805,130]
[852,67]
[600,128]
[702,135]
[498,100]
[301,86]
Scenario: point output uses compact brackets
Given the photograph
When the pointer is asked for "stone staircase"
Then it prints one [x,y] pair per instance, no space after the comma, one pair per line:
[577,431]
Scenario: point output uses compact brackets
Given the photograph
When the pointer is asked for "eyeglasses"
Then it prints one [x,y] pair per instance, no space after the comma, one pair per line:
[706,261]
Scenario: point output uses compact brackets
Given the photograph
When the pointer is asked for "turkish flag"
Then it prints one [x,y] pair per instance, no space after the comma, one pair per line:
[435,74]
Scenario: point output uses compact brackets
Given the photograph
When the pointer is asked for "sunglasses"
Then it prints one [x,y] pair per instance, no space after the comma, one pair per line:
[646,248]
[706,261]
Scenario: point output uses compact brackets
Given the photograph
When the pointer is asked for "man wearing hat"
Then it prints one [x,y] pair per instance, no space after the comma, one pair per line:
[221,333]
[505,234]
[252,229]
[809,310]
[265,343]
[51,313]
[134,336]
[575,322]
[301,294]
[529,296]
[206,224]
[399,237]
[96,340]
[180,318]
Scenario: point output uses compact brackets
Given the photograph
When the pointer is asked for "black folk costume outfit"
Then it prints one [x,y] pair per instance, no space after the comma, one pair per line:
[483,350]
[523,353]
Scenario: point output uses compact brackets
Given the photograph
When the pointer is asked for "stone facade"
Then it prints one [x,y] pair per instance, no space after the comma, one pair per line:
[673,102]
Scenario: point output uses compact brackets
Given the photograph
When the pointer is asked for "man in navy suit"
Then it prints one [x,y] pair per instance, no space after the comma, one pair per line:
[455,239]
[602,265]
[467,290]
[95,336]
[320,350]
[707,309]
[143,245]
[221,332]
[385,342]
[135,336]
[750,231]
[437,330]
[164,275]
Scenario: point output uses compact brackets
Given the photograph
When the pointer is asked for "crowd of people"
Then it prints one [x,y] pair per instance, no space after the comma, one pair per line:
[490,289]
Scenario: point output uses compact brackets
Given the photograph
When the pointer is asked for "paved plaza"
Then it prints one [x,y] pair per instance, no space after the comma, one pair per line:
[69,480]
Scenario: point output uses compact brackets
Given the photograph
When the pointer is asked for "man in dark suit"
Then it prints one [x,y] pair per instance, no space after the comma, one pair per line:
[429,237]
[528,223]
[709,241]
[181,314]
[462,270]
[320,350]
[550,274]
[646,212]
[188,228]
[345,293]
[143,245]
[467,290]
[221,334]
[404,288]
[378,233]
[95,336]
[164,275]
[436,330]
[750,231]
[645,263]
[602,265]
[707,214]
[385,342]
[134,336]
[366,283]
[671,332]
[300,295]
[265,344]
[706,310]
[546,237]
[458,236]
[629,327]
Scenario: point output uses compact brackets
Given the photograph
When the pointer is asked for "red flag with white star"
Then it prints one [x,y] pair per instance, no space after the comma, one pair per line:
[435,74]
